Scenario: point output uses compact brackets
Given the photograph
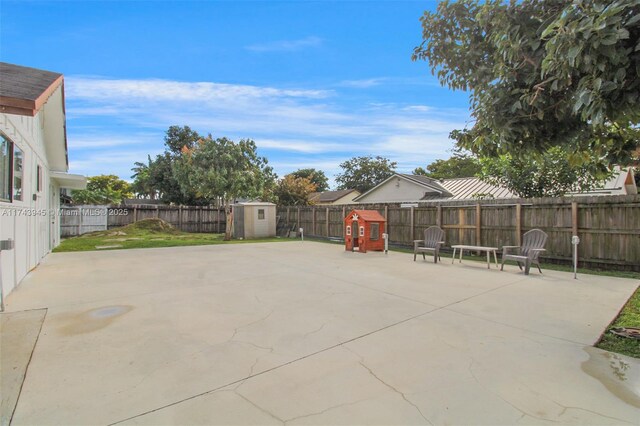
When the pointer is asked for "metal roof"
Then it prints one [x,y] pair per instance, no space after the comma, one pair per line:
[472,187]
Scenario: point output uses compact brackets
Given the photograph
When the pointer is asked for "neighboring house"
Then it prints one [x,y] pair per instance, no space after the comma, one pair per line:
[401,188]
[345,196]
[621,183]
[33,167]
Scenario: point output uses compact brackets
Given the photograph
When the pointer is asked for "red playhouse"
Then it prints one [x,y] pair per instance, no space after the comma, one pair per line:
[363,231]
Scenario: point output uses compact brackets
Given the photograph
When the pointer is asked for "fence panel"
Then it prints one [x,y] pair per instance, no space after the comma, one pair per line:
[77,220]
[609,226]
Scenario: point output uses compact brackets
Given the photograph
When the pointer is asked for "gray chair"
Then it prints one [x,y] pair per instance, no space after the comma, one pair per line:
[433,239]
[532,245]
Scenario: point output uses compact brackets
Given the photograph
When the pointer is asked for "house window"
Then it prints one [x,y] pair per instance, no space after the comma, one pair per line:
[5,168]
[348,230]
[362,231]
[375,231]
[38,178]
[260,214]
[18,166]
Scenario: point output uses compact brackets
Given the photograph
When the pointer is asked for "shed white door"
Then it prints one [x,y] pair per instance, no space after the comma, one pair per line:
[261,222]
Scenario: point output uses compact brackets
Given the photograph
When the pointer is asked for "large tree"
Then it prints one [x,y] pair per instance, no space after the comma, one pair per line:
[157,177]
[294,191]
[142,184]
[549,175]
[221,168]
[541,73]
[317,177]
[102,189]
[458,166]
[363,173]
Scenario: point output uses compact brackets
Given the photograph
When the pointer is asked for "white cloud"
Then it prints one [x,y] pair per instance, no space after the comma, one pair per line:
[164,90]
[362,84]
[286,45]
[309,147]
[293,127]
[88,141]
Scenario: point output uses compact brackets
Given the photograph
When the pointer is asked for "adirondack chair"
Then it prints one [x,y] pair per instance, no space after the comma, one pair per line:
[433,239]
[532,245]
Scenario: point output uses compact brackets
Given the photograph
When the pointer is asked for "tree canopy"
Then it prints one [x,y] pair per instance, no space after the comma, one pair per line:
[294,191]
[363,173]
[541,73]
[459,165]
[549,175]
[157,177]
[221,168]
[102,189]
[316,177]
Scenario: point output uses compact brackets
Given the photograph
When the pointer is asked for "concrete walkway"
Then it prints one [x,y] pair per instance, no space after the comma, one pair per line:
[305,333]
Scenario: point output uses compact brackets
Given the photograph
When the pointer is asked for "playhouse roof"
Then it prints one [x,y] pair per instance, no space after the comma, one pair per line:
[368,215]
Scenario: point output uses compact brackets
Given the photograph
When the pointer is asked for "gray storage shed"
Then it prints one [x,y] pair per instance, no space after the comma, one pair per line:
[254,220]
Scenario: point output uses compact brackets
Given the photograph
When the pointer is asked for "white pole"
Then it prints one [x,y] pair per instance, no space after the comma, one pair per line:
[575,240]
[386,243]
[301,234]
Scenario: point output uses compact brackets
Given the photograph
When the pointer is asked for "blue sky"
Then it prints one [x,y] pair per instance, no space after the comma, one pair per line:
[313,83]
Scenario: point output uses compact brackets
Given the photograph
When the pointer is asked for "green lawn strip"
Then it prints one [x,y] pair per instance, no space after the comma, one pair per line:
[151,241]
[629,317]
[147,233]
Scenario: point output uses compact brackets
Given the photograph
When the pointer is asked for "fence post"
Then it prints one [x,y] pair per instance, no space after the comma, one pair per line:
[298,220]
[439,215]
[461,224]
[80,221]
[478,225]
[313,221]
[344,213]
[412,222]
[288,226]
[180,218]
[518,224]
[574,217]
[135,214]
[157,212]
[328,223]
[199,219]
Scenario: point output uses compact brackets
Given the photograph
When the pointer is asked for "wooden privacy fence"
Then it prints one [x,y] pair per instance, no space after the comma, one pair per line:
[608,226]
[77,220]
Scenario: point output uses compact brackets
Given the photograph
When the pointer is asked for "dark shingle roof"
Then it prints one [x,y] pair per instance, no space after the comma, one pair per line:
[329,196]
[22,89]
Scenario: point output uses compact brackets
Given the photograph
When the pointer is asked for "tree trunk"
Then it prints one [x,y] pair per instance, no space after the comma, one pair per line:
[229,214]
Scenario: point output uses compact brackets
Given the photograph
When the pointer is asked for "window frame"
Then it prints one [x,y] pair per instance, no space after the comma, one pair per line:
[14,175]
[9,177]
[375,226]
[261,212]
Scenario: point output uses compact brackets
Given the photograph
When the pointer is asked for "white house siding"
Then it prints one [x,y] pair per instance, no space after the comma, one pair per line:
[395,190]
[34,234]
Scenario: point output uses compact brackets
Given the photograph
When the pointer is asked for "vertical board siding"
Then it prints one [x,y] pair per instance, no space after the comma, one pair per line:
[608,227]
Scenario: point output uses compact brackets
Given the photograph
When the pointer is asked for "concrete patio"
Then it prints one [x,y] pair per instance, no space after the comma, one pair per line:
[306,333]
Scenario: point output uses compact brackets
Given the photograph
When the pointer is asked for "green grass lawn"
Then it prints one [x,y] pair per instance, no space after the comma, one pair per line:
[629,317]
[146,233]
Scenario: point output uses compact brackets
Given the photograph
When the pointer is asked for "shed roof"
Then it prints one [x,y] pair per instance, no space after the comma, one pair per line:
[368,215]
[24,90]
